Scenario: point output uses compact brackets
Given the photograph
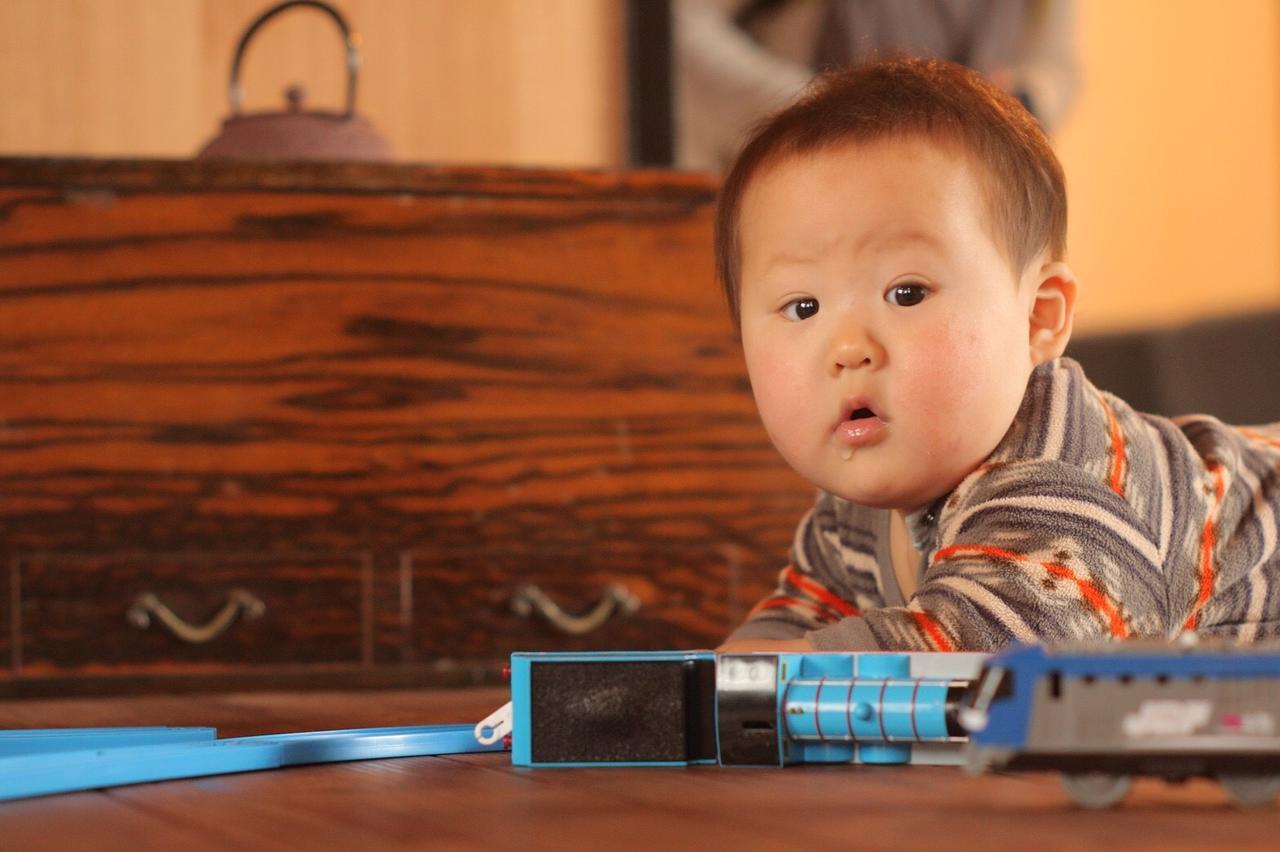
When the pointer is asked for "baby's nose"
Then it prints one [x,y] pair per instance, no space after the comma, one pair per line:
[855,349]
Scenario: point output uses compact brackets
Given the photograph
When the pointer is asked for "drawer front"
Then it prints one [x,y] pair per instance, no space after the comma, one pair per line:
[189,612]
[479,604]
[8,579]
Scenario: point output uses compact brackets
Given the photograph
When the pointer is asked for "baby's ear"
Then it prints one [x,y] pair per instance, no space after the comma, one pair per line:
[1052,311]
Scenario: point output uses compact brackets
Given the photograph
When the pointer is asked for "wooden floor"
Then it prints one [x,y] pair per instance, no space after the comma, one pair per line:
[482,802]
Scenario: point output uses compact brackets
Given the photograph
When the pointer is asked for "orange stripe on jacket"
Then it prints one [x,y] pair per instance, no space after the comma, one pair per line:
[1254,435]
[819,591]
[931,630]
[1096,598]
[1208,538]
[1118,449]
[1089,592]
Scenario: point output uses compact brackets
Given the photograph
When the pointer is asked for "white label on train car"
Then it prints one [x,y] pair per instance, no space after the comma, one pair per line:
[1168,718]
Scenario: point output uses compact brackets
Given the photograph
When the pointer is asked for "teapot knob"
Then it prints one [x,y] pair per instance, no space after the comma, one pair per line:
[294,96]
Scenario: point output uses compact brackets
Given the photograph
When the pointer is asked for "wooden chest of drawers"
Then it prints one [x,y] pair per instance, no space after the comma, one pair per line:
[366,424]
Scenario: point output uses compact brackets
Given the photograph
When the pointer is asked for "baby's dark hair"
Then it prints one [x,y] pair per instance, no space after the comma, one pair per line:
[949,104]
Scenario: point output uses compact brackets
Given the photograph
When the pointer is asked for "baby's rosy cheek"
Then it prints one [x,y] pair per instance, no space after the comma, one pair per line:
[936,374]
[936,392]
[776,399]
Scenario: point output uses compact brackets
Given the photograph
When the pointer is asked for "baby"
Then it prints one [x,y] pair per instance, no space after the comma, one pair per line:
[892,248]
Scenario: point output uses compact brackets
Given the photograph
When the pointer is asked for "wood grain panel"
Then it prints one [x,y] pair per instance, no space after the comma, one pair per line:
[72,612]
[383,360]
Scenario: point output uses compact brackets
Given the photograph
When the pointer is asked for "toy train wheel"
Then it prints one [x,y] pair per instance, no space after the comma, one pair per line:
[1251,791]
[1096,789]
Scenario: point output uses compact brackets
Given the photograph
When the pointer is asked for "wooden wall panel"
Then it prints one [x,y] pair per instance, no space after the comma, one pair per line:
[96,77]
[487,81]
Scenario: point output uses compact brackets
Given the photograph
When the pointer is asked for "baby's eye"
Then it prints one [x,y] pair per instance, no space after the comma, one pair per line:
[906,295]
[800,309]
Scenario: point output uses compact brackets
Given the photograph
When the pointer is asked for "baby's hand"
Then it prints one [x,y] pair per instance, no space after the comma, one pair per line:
[774,646]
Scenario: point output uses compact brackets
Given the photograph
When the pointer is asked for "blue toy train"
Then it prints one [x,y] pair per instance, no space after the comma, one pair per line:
[1097,713]
[740,710]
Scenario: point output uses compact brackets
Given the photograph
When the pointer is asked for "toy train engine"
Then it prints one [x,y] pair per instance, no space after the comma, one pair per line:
[1102,713]
[740,709]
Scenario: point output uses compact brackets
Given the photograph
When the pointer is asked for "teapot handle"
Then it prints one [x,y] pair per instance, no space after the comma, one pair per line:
[351,40]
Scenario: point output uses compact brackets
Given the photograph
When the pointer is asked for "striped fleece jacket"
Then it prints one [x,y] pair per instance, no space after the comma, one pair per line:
[1088,521]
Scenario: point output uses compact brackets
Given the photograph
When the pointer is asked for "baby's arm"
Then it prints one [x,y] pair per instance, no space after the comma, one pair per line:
[832,577]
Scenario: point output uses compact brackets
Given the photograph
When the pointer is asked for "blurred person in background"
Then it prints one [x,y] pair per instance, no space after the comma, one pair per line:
[738,61]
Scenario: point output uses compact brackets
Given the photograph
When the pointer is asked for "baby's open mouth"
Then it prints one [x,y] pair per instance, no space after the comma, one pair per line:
[861,427]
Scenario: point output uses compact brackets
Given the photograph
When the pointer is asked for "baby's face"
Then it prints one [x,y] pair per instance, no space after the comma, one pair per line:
[886,337]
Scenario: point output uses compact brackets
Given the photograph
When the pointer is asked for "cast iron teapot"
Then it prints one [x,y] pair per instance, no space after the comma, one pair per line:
[296,133]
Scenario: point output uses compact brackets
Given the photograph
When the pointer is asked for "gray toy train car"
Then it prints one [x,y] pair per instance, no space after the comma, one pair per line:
[1100,714]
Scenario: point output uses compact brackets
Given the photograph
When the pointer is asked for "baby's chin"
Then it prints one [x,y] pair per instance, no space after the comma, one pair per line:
[892,496]
[874,498]
[888,502]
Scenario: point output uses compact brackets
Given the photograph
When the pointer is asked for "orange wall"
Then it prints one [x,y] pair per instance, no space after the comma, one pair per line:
[515,81]
[1172,160]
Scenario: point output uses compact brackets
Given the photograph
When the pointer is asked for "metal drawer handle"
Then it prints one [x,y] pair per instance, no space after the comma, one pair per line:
[147,604]
[616,599]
